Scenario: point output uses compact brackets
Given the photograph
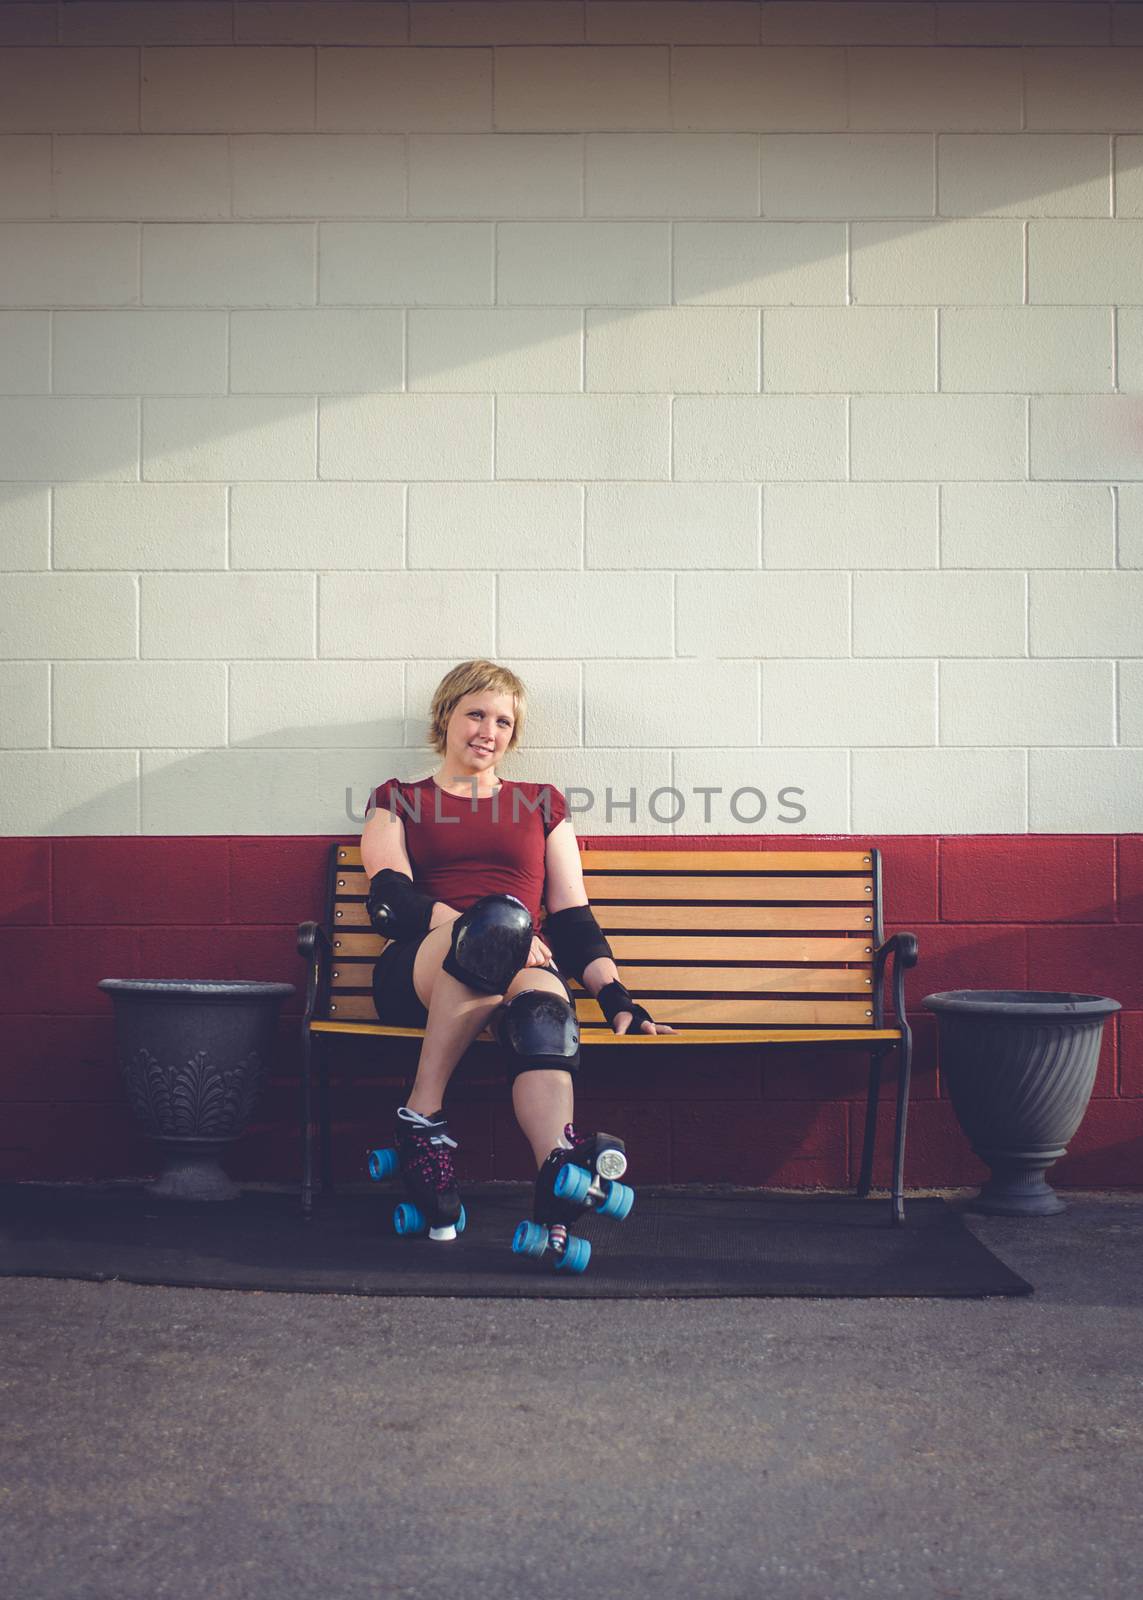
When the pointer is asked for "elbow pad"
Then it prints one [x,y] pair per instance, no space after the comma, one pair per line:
[575,940]
[396,909]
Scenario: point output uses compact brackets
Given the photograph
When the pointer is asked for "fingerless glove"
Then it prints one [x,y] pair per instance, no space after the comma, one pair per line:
[614,998]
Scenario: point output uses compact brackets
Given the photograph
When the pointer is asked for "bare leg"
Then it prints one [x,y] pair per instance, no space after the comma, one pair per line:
[543,1101]
[456,1015]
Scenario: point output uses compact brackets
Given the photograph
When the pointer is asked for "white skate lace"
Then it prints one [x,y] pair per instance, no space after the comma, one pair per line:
[437,1134]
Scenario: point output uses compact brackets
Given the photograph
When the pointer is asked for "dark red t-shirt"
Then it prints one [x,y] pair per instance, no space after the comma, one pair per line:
[461,848]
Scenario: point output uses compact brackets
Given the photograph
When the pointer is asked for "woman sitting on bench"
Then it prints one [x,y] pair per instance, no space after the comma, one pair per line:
[458,864]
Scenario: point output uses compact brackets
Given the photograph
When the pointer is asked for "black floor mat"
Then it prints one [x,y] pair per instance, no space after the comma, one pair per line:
[676,1243]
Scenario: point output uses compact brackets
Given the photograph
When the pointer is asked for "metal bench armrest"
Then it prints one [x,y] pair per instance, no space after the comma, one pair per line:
[315,948]
[903,948]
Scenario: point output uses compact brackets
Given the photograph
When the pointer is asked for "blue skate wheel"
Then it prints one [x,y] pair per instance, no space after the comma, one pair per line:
[381,1164]
[620,1199]
[407,1219]
[572,1183]
[576,1257]
[461,1220]
[530,1239]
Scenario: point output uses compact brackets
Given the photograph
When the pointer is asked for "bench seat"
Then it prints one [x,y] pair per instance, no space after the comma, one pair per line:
[731,947]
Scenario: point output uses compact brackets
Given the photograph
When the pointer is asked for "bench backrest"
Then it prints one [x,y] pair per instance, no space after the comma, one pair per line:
[708,938]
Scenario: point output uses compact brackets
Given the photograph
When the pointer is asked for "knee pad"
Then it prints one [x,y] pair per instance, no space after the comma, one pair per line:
[490,943]
[539,1029]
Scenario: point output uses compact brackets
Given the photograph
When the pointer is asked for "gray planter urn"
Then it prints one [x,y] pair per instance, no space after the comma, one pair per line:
[1019,1066]
[194,1055]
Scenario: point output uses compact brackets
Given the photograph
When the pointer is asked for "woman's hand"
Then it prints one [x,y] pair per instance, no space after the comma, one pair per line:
[539,955]
[623,1020]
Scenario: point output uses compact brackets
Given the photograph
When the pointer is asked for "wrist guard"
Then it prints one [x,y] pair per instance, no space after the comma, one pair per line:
[396,909]
[613,998]
[575,940]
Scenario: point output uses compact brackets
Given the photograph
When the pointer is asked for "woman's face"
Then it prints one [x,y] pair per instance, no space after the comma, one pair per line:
[478,731]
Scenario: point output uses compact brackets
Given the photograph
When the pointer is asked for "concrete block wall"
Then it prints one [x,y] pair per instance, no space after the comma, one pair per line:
[786,358]
[1040,912]
[762,381]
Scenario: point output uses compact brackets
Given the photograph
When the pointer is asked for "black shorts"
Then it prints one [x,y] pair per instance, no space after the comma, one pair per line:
[395,998]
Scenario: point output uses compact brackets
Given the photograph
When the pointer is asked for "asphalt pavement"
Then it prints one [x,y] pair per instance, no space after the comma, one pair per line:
[223,1445]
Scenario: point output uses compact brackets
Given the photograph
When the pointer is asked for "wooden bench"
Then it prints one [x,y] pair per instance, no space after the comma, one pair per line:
[731,947]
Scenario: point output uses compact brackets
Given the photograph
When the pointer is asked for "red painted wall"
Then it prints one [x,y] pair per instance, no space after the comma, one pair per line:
[1039,911]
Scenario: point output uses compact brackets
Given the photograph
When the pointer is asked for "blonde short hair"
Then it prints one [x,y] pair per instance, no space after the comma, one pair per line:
[474,677]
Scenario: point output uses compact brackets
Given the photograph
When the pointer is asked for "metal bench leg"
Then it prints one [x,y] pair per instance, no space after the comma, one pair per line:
[904,1068]
[307,1125]
[326,1132]
[865,1181]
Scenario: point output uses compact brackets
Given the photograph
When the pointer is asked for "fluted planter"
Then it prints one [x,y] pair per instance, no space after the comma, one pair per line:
[1020,1066]
[194,1055]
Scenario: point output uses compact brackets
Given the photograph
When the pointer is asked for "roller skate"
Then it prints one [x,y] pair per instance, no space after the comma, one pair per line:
[581,1174]
[423,1157]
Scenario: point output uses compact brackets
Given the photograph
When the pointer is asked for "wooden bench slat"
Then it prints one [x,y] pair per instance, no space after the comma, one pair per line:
[351,915]
[713,860]
[732,918]
[634,948]
[835,861]
[647,947]
[355,1007]
[603,1035]
[697,886]
[854,1012]
[690,980]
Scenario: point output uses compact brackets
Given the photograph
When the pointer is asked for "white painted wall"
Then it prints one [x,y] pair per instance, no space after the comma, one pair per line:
[763,382]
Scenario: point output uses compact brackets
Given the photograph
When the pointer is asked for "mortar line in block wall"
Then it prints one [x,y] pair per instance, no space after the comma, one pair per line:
[1115,349]
[1024,247]
[1027,789]
[1027,609]
[938,320]
[939,664]
[583,527]
[1115,524]
[1115,692]
[1113,175]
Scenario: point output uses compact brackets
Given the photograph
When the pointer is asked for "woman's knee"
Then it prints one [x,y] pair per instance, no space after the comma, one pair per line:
[536,1026]
[534,978]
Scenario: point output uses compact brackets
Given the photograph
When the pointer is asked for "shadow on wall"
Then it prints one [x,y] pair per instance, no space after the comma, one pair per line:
[735,335]
[323,785]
